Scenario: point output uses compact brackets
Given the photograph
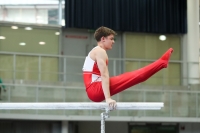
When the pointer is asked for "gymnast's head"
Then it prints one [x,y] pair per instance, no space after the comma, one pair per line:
[103,32]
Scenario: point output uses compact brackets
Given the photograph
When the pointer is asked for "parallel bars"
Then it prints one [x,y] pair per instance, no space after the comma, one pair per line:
[85,106]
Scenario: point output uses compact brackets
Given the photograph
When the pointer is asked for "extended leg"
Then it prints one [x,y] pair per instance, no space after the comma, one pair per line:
[128,79]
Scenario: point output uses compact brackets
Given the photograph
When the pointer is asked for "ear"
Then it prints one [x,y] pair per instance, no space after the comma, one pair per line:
[102,38]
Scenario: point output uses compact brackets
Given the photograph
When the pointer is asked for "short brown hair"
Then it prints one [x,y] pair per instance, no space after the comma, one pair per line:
[103,32]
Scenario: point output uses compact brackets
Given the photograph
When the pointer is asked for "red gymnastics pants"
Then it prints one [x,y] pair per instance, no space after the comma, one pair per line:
[126,80]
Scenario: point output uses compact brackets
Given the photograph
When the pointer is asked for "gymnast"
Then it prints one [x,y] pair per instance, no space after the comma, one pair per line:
[99,86]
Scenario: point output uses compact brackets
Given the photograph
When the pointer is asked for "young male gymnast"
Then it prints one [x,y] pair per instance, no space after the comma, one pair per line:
[99,86]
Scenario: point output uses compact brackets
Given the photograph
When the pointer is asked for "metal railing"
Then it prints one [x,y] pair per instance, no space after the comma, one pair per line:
[179,101]
[43,68]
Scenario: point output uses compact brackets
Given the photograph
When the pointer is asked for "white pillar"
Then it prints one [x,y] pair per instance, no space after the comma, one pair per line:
[191,44]
[60,12]
[64,128]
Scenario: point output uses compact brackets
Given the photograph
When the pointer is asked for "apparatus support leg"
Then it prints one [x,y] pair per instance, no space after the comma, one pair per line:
[104,115]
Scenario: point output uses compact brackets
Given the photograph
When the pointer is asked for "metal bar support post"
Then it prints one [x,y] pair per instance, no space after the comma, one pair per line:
[104,115]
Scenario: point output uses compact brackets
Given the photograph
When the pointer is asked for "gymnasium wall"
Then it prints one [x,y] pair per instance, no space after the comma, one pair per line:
[148,47]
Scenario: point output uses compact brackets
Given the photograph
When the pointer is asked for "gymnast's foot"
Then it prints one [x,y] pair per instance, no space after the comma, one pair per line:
[166,56]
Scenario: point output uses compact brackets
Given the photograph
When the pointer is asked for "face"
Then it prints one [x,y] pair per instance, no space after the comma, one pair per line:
[108,42]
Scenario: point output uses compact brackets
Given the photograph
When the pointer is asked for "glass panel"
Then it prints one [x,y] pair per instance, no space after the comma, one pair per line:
[76,95]
[49,69]
[26,67]
[165,98]
[131,96]
[5,97]
[190,99]
[50,95]
[180,104]
[40,12]
[23,94]
[74,70]
[157,97]
[4,94]
[172,75]
[6,67]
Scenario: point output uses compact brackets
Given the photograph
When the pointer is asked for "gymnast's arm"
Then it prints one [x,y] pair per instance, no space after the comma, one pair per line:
[101,58]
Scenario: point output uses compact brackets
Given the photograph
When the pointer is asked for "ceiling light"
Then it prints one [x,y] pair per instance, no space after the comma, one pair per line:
[29,2]
[162,37]
[40,21]
[14,27]
[18,18]
[28,28]
[2,37]
[38,17]
[42,43]
[22,43]
[63,22]
[57,33]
